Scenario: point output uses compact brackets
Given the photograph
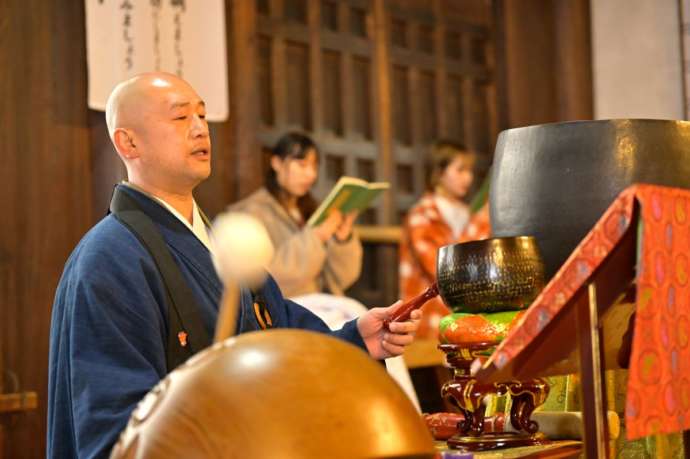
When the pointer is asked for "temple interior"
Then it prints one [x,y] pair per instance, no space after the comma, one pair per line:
[516,172]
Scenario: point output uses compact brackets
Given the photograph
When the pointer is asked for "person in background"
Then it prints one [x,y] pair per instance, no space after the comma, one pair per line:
[313,266]
[326,258]
[439,218]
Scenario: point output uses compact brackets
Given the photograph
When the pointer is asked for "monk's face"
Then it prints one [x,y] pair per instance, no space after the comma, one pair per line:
[172,135]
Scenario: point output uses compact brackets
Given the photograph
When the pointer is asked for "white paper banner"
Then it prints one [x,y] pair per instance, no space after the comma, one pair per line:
[184,37]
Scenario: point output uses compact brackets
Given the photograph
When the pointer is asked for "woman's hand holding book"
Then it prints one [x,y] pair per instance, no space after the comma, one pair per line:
[344,231]
[327,228]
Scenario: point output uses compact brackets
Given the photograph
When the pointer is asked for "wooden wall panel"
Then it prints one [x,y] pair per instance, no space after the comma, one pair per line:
[428,124]
[299,113]
[47,188]
[7,239]
[361,97]
[402,126]
[264,80]
[331,92]
[455,108]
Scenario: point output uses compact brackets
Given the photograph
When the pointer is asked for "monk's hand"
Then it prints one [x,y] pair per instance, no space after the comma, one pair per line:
[385,342]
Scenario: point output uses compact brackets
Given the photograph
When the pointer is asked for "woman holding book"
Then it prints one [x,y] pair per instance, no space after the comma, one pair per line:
[313,263]
[439,218]
[308,259]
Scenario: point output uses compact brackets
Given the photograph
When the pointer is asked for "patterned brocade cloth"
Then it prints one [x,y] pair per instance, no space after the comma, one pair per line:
[658,390]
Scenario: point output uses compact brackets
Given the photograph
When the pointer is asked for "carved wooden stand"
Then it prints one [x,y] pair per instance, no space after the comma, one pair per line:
[465,393]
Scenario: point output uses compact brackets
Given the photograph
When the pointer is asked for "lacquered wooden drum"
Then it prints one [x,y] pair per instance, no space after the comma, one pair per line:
[277,393]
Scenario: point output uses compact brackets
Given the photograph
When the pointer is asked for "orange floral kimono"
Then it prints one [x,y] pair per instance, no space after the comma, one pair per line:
[424,232]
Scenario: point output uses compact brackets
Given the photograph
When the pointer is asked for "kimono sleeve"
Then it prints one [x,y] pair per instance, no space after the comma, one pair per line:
[424,241]
[301,317]
[117,350]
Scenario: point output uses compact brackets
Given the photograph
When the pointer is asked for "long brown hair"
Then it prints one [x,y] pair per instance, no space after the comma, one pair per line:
[292,145]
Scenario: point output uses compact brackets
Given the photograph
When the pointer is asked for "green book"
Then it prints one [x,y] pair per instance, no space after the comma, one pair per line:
[347,195]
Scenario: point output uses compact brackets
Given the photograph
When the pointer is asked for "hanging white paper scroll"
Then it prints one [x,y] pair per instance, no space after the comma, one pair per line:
[184,37]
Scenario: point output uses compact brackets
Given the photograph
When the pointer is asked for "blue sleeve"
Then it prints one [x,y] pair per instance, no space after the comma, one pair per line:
[301,317]
[350,333]
[117,349]
[292,315]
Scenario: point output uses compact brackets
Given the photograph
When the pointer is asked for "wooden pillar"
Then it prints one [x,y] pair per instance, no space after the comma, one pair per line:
[593,388]
[383,102]
[573,59]
[544,69]
[278,66]
[314,22]
[3,319]
[244,98]
[346,81]
[9,208]
[441,75]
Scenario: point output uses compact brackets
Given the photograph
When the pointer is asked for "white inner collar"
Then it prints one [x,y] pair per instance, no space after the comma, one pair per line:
[197,227]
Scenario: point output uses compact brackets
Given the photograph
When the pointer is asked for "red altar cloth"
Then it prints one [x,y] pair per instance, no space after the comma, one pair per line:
[658,394]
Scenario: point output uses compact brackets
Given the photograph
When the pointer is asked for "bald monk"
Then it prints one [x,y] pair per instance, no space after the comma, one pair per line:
[139,293]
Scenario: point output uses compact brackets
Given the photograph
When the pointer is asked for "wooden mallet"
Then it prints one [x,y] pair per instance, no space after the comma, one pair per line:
[242,251]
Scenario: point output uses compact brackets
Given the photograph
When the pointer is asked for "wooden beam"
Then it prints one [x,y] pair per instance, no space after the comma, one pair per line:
[379,234]
[13,403]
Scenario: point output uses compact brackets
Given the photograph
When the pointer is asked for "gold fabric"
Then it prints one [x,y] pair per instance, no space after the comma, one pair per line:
[565,396]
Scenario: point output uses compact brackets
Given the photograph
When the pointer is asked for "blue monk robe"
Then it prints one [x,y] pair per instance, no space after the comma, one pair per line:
[109,327]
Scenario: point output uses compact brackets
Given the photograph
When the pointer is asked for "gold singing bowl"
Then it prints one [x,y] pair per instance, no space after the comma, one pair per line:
[277,394]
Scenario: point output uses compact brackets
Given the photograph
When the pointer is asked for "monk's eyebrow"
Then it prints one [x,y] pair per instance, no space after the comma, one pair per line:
[185,104]
[178,105]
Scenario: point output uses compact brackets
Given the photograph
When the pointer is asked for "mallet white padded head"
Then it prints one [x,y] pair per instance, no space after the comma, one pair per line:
[243,248]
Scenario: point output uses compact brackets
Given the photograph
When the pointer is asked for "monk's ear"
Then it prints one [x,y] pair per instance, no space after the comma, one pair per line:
[125,143]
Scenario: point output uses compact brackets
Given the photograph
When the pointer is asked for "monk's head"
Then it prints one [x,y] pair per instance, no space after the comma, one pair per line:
[157,123]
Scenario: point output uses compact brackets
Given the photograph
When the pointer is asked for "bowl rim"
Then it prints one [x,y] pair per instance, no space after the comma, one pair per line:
[490,241]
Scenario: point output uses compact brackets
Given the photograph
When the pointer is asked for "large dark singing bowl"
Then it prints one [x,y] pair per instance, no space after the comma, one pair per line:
[491,275]
[554,181]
